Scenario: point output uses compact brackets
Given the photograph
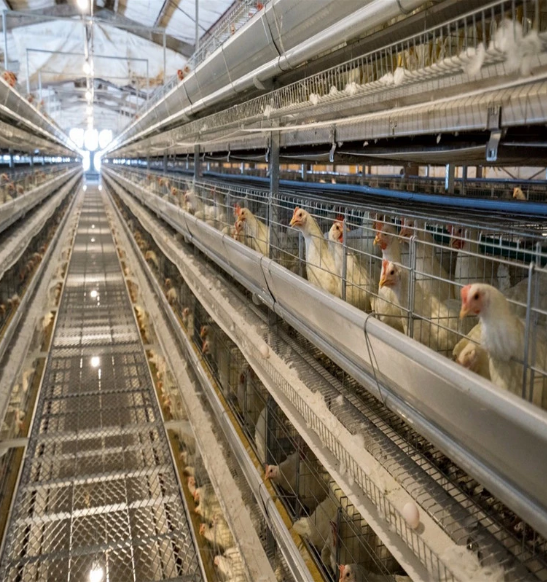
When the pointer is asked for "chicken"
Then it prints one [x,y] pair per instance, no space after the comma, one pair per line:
[358,281]
[260,435]
[437,323]
[255,230]
[388,241]
[471,265]
[188,320]
[518,194]
[248,398]
[208,507]
[152,258]
[385,305]
[218,534]
[431,277]
[230,566]
[503,338]
[320,265]
[356,573]
[475,358]
[316,527]
[294,469]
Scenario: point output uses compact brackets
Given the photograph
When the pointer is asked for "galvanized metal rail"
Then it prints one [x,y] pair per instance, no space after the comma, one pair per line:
[98,496]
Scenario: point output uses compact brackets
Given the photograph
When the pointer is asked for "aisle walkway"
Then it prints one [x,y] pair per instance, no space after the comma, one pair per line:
[98,497]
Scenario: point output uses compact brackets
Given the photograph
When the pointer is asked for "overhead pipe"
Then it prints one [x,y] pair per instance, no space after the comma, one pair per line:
[370,16]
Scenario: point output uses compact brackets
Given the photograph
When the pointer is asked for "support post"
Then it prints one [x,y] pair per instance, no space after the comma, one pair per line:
[197,163]
[164,57]
[165,162]
[4,29]
[362,175]
[464,181]
[28,76]
[196,48]
[274,192]
[11,158]
[450,174]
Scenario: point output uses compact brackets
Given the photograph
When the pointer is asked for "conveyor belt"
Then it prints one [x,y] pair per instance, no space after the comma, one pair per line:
[98,488]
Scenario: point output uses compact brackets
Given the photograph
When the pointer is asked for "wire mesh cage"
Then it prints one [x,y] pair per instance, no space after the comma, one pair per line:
[408,267]
[503,240]
[335,531]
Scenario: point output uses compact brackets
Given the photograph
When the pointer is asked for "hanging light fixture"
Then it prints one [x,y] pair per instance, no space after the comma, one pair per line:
[83,4]
[88,68]
[89,95]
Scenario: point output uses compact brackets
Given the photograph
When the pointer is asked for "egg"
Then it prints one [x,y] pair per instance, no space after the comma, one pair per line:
[411,515]
[264,351]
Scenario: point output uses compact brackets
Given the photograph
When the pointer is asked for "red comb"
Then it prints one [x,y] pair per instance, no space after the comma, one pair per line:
[464,293]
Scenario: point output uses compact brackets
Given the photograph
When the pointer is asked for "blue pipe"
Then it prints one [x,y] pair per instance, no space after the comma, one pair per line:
[508,206]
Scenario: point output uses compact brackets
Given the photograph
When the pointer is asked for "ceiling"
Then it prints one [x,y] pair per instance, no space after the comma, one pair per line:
[46,41]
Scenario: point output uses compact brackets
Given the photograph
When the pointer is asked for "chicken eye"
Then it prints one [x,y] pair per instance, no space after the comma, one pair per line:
[392,272]
[476,296]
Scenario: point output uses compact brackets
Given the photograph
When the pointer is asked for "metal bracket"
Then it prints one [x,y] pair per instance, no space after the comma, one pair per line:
[333,147]
[492,146]
[493,123]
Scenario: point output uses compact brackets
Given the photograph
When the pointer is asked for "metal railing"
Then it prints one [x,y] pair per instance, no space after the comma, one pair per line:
[16,183]
[465,45]
[237,15]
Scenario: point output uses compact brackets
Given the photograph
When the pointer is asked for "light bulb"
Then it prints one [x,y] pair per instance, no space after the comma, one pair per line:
[83,4]
[87,68]
[88,95]
[93,294]
[95,361]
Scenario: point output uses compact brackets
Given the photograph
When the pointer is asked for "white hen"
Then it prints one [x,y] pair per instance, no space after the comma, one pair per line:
[437,323]
[431,277]
[320,265]
[255,230]
[358,281]
[316,527]
[503,337]
[296,471]
[356,573]
[471,265]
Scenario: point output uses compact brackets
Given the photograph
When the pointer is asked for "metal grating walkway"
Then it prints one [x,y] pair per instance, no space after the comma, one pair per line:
[99,497]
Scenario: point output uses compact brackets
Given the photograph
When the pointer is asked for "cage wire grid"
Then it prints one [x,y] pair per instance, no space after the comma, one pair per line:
[98,489]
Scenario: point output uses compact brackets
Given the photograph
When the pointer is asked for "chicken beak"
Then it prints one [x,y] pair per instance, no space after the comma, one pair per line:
[377,240]
[294,221]
[382,281]
[464,310]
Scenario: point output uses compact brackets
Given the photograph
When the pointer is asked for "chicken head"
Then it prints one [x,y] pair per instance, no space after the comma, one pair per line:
[474,299]
[390,274]
[272,471]
[299,218]
[336,232]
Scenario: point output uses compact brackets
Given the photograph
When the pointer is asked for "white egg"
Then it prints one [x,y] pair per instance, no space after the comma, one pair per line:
[264,351]
[411,515]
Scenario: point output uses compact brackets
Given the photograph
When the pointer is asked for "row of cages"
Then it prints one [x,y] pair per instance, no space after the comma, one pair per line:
[412,270]
[17,182]
[13,286]
[222,558]
[493,41]
[414,462]
[16,280]
[333,530]
[533,190]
